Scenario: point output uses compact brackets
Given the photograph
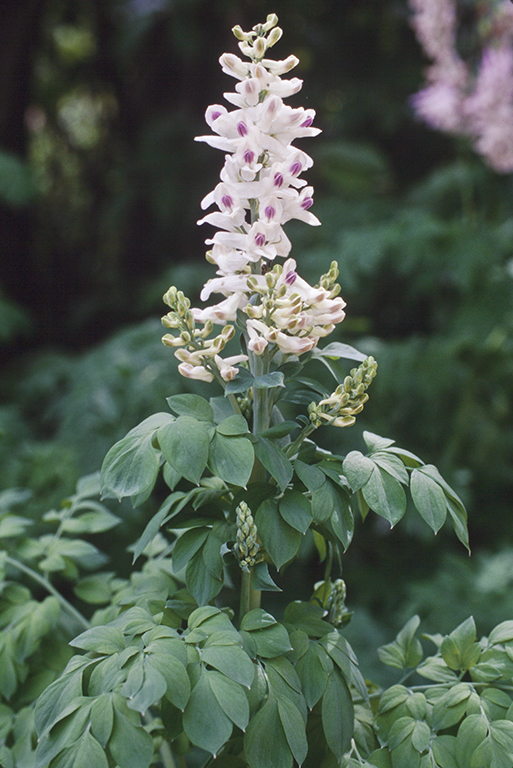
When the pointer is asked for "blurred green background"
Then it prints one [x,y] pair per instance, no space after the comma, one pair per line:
[100,185]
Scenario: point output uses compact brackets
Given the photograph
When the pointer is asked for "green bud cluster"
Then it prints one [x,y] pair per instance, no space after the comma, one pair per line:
[194,339]
[341,408]
[338,613]
[245,403]
[262,37]
[247,549]
[328,281]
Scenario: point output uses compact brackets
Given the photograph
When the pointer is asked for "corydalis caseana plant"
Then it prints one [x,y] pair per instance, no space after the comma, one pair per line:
[260,190]
[457,99]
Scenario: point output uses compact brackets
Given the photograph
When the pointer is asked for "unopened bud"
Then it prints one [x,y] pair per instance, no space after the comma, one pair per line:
[240,34]
[273,38]
[259,47]
[228,332]
[270,22]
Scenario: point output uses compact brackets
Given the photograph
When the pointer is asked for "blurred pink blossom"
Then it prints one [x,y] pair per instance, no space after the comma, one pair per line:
[478,105]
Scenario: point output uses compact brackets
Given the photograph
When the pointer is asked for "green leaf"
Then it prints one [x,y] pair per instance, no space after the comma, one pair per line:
[338,350]
[471,733]
[400,731]
[451,707]
[296,510]
[391,464]
[325,501]
[93,521]
[311,477]
[313,669]
[428,498]
[265,742]
[375,442]
[282,429]
[174,503]
[435,668]
[174,672]
[106,639]
[261,579]
[456,645]
[269,638]
[95,589]
[257,619]
[421,736]
[232,459]
[131,466]
[187,545]
[60,694]
[231,698]
[185,445]
[232,661]
[444,751]
[393,697]
[337,714]
[242,382]
[502,633]
[130,745]
[358,469]
[202,585]
[204,720]
[405,755]
[90,753]
[274,460]
[233,425]
[145,691]
[341,522]
[385,495]
[191,405]
[458,517]
[294,728]
[406,651]
[102,719]
[307,617]
[501,737]
[381,758]
[269,380]
[280,539]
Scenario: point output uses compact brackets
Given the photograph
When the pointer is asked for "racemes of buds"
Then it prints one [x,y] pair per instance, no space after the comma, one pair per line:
[247,549]
[260,189]
[341,408]
[199,356]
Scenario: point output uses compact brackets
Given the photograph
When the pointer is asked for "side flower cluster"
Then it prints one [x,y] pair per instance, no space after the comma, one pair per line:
[260,189]
[341,408]
[458,100]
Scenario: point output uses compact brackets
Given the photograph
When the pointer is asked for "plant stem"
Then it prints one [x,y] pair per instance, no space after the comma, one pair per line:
[49,588]
[166,756]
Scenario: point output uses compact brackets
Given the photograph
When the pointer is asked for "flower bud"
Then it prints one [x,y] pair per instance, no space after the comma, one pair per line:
[270,22]
[259,47]
[240,35]
[273,38]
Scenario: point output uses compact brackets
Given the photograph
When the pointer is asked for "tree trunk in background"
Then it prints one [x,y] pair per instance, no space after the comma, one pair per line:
[19,32]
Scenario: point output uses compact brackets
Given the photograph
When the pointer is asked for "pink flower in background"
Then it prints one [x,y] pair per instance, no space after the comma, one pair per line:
[476,105]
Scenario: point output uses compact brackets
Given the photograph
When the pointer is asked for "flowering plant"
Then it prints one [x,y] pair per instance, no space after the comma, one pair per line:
[168,671]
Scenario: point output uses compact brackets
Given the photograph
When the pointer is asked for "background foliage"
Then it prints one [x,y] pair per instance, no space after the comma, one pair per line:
[100,183]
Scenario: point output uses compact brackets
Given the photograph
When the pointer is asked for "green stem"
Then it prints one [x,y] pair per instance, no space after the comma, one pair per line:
[166,756]
[49,588]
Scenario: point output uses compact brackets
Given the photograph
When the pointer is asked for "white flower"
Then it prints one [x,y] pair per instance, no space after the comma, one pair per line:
[260,189]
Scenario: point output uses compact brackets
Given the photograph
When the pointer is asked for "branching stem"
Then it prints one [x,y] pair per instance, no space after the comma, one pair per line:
[35,576]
